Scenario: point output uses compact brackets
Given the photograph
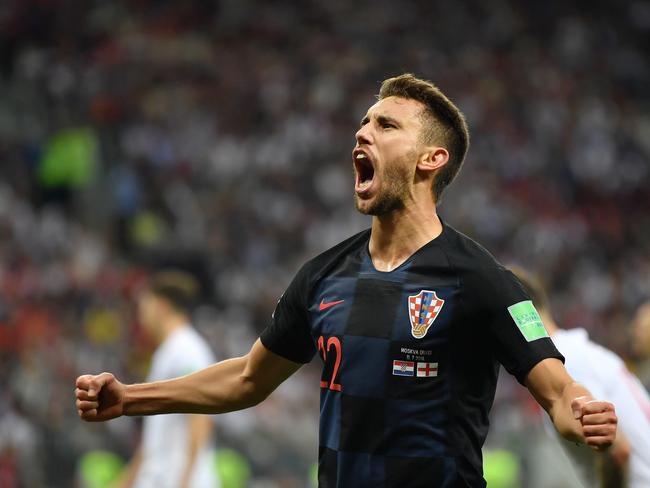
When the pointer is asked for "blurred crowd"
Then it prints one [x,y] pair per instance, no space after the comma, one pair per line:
[216,137]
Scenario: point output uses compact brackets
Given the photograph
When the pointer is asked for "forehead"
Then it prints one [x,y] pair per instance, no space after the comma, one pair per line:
[405,110]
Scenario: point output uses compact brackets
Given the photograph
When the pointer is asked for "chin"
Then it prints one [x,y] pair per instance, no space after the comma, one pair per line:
[379,206]
[361,205]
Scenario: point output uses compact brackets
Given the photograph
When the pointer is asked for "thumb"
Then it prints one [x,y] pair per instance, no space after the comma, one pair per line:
[97,383]
[577,404]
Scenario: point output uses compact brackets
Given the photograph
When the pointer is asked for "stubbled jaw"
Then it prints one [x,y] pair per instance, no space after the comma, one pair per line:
[364,171]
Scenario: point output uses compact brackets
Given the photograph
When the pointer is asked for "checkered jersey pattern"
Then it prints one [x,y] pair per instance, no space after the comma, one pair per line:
[383,425]
[398,409]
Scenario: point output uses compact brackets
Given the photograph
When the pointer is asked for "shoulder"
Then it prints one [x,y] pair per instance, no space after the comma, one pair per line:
[576,348]
[578,340]
[475,265]
[585,359]
[489,287]
[465,251]
[299,290]
[317,267]
[190,346]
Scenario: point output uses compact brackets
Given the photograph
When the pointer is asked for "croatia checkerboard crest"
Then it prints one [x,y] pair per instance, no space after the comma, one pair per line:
[423,310]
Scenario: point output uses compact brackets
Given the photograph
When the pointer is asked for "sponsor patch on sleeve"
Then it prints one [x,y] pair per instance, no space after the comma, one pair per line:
[528,320]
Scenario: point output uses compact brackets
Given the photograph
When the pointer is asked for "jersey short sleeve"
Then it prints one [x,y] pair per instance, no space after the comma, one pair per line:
[288,334]
[516,332]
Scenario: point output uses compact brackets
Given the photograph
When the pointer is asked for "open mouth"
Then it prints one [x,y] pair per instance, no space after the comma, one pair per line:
[364,170]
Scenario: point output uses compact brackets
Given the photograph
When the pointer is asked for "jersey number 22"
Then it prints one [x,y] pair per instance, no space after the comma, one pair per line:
[329,348]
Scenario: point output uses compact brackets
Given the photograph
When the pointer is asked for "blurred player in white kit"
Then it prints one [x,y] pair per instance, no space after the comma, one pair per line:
[641,341]
[605,375]
[176,450]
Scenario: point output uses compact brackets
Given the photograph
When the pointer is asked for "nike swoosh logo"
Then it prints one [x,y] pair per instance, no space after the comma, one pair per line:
[325,305]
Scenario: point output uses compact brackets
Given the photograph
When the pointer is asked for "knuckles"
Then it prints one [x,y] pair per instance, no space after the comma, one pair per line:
[87,405]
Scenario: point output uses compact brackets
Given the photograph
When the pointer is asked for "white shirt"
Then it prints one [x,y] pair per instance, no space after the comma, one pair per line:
[165,437]
[605,375]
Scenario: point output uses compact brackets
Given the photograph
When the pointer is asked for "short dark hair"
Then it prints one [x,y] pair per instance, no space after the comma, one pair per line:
[445,123]
[533,286]
[179,288]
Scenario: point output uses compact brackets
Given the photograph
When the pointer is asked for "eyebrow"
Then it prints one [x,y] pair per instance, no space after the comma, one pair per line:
[382,119]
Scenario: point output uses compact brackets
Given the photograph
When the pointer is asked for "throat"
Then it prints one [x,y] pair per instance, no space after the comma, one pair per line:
[386,264]
[394,240]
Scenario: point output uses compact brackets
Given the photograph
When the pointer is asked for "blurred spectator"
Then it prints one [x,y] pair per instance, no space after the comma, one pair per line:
[217,136]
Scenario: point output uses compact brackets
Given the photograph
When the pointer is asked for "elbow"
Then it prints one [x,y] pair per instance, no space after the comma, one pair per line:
[252,393]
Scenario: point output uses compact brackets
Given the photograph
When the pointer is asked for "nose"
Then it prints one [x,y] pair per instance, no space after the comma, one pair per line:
[363,135]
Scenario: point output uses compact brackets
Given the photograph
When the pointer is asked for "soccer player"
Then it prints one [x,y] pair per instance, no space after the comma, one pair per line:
[641,343]
[605,375]
[176,450]
[410,318]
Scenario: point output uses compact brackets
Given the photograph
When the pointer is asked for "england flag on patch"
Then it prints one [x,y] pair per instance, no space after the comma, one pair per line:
[427,369]
[403,368]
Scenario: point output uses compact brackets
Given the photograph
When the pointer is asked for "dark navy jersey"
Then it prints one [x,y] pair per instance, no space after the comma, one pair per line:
[410,358]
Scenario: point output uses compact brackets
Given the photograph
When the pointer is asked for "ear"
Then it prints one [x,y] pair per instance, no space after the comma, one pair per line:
[433,159]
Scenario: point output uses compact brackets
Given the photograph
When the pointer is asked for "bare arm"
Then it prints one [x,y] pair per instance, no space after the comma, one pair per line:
[575,414]
[127,477]
[226,386]
[613,465]
[200,433]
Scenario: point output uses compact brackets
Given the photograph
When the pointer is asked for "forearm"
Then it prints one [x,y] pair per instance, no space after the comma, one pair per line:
[611,474]
[200,433]
[220,388]
[554,390]
[562,415]
[223,387]
[129,474]
[575,414]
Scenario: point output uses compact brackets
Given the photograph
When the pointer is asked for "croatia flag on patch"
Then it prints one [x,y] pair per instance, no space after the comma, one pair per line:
[427,369]
[403,368]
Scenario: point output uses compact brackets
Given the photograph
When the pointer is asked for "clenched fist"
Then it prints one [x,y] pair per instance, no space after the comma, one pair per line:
[99,397]
[598,421]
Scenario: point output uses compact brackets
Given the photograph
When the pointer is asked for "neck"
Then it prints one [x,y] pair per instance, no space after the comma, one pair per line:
[396,236]
[171,324]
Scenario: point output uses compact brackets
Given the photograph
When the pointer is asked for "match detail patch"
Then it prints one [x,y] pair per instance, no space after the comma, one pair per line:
[528,320]
[403,368]
[427,369]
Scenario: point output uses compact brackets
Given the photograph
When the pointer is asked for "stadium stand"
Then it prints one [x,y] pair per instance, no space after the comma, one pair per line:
[217,136]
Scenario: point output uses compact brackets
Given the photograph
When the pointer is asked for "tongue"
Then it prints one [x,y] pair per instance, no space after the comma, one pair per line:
[364,185]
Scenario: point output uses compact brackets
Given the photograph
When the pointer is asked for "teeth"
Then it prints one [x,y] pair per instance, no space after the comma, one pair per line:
[361,156]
